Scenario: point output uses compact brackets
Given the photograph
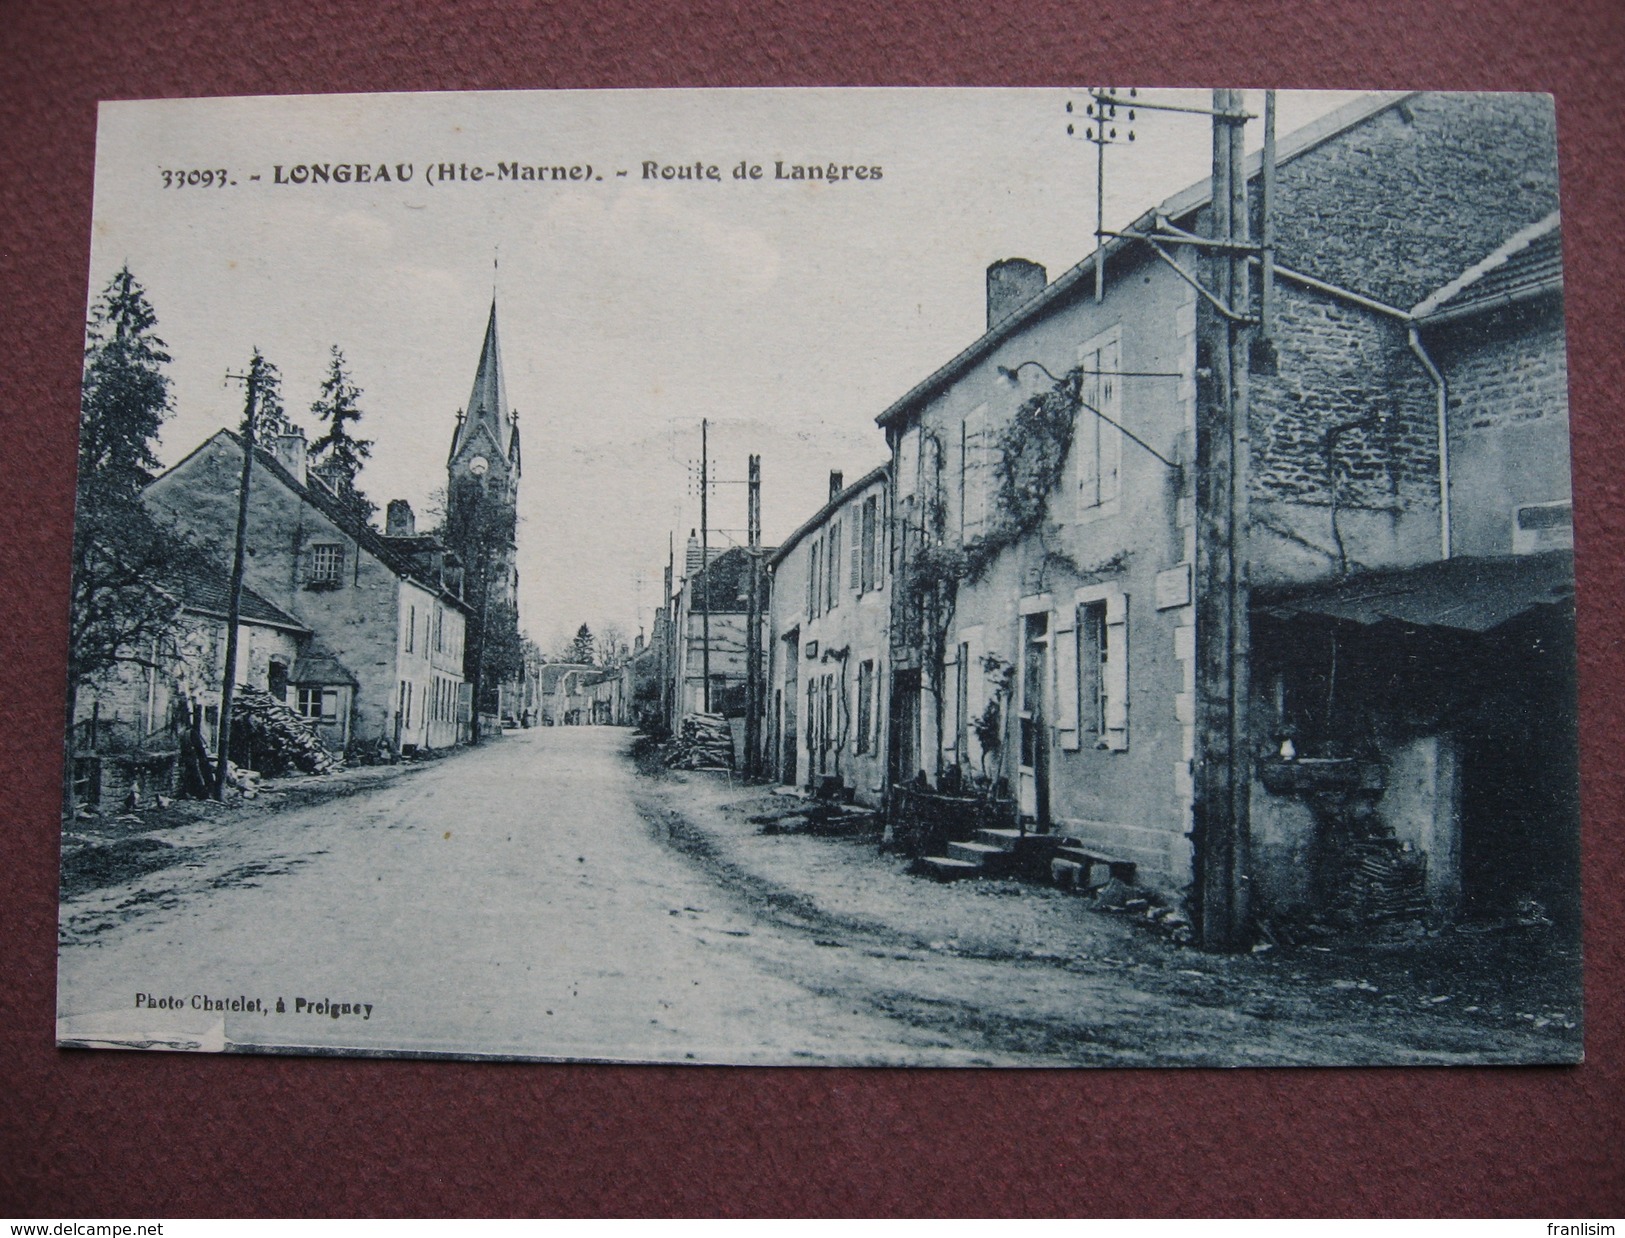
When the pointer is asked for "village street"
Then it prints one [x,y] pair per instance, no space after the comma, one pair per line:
[540,896]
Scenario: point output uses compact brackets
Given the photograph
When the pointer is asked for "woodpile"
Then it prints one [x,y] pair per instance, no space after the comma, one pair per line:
[703,742]
[272,738]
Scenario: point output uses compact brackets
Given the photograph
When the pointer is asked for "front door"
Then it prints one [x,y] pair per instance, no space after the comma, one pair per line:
[1033,777]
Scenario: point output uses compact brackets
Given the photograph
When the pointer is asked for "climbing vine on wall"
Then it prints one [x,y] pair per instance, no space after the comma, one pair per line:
[1032,453]
[1031,456]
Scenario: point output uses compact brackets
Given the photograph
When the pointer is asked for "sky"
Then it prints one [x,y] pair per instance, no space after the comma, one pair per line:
[633,301]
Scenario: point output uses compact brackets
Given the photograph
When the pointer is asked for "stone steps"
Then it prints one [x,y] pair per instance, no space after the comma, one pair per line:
[1077,868]
[992,853]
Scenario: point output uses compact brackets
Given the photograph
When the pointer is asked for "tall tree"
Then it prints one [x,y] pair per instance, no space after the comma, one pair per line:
[270,417]
[479,525]
[123,604]
[583,649]
[611,645]
[338,453]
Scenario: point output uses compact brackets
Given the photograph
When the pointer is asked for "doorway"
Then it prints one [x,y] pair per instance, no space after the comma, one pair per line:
[1033,771]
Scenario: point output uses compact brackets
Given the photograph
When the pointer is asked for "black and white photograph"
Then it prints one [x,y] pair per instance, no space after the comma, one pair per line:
[898,577]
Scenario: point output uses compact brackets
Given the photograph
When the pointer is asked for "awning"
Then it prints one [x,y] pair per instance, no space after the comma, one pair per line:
[321,670]
[1469,595]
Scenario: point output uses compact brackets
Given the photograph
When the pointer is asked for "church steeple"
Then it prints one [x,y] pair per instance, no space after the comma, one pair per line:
[488,399]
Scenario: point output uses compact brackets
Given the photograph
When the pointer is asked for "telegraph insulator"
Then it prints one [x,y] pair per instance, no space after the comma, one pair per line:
[1069,131]
[1069,105]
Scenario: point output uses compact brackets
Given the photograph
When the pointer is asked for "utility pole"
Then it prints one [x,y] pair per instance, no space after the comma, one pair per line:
[234,607]
[705,565]
[1223,775]
[753,621]
[668,637]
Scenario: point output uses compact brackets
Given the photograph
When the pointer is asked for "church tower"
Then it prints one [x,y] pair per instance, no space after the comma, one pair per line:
[482,497]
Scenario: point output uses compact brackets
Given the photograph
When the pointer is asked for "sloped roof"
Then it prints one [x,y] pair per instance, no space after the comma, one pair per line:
[553,672]
[206,588]
[321,670]
[1531,260]
[721,586]
[324,501]
[828,509]
[1080,278]
[488,398]
[1466,594]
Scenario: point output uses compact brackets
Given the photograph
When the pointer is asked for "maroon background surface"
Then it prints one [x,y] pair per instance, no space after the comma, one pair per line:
[86,1134]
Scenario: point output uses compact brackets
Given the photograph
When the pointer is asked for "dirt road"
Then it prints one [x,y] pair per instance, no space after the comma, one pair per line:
[537,897]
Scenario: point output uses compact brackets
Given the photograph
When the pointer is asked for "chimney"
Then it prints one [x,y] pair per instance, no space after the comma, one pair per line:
[1011,282]
[834,484]
[398,519]
[691,559]
[289,450]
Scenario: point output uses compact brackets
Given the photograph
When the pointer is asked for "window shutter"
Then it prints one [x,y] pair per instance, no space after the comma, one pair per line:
[1111,439]
[973,502]
[1066,677]
[1116,671]
[950,706]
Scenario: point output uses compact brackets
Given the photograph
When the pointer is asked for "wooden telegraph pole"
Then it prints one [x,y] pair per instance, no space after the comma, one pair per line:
[754,689]
[705,565]
[234,607]
[1223,774]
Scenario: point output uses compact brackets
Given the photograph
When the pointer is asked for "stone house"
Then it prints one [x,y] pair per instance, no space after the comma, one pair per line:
[562,691]
[828,634]
[710,611]
[132,723]
[1045,545]
[384,658]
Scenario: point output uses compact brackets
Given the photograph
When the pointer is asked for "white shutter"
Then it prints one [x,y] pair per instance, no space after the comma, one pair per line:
[950,707]
[856,523]
[977,470]
[1086,436]
[1065,644]
[1116,671]
[1111,439]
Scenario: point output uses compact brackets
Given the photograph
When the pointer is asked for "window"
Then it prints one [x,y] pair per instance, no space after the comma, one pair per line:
[1097,444]
[326,563]
[1092,667]
[1092,653]
[440,629]
[411,627]
[866,693]
[319,704]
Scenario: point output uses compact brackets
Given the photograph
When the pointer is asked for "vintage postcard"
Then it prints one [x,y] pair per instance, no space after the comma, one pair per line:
[910,577]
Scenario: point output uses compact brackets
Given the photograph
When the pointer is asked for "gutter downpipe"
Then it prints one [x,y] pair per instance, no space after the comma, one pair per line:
[1444,436]
[1414,337]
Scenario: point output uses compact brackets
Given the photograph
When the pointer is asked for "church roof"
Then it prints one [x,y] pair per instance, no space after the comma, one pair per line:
[488,398]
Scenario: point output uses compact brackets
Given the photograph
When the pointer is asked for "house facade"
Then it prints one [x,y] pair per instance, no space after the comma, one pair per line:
[133,723]
[711,610]
[1048,549]
[827,645]
[382,663]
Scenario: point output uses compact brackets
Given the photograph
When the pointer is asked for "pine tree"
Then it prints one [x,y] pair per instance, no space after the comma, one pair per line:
[270,418]
[339,455]
[123,593]
[583,648]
